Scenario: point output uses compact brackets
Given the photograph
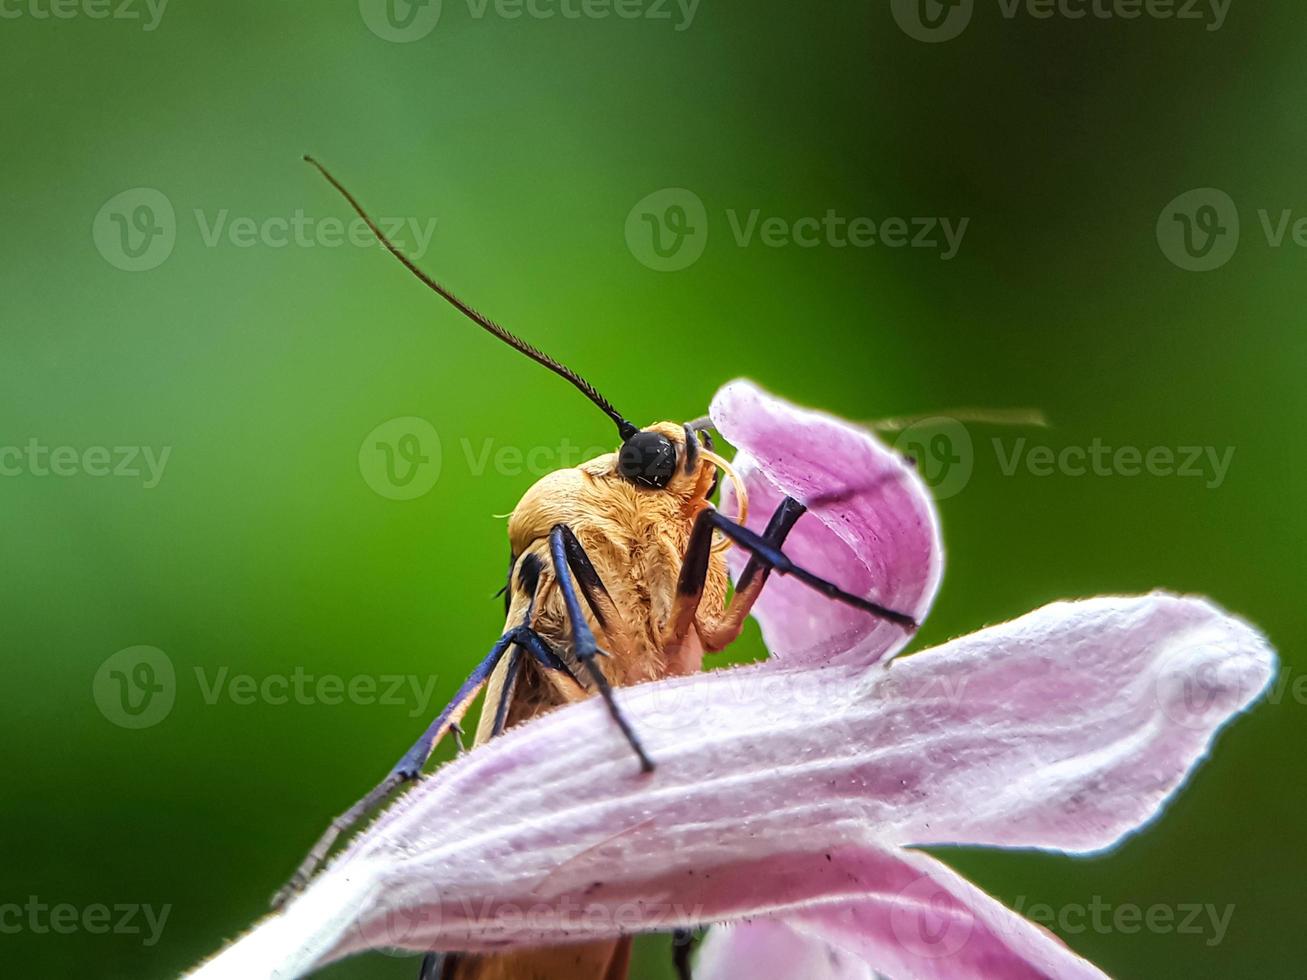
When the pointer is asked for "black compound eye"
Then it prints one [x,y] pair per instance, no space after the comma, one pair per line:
[648,460]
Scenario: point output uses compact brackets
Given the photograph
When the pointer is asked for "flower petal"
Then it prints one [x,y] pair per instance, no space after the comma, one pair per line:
[776,788]
[1069,727]
[877,537]
[939,926]
[768,949]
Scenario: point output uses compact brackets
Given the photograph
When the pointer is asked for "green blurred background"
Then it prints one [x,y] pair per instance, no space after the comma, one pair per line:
[264,547]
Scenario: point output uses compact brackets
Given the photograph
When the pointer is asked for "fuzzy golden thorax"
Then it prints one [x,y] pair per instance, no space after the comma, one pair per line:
[636,537]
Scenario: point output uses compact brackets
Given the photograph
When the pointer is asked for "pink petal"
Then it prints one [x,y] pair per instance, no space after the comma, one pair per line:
[768,949]
[880,541]
[938,926]
[1067,728]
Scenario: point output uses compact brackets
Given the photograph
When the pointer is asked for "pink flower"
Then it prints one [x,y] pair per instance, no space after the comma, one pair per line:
[789,795]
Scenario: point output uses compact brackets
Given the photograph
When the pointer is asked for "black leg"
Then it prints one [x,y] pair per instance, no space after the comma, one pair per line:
[717,632]
[771,556]
[410,765]
[583,639]
[506,694]
[433,967]
[683,943]
[587,578]
[778,529]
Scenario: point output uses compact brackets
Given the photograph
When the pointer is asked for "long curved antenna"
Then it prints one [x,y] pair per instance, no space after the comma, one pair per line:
[625,428]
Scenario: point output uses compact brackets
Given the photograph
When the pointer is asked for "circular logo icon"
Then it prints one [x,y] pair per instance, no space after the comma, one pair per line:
[1199,230]
[400,21]
[403,918]
[668,229]
[942,451]
[1198,682]
[136,687]
[928,921]
[932,21]
[400,459]
[136,230]
[673,705]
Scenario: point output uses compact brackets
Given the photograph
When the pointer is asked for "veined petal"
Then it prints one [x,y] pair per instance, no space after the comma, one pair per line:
[875,535]
[1069,727]
[776,789]
[939,926]
[928,923]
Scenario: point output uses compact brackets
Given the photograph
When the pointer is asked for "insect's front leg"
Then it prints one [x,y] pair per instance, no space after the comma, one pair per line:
[562,540]
[718,631]
[771,557]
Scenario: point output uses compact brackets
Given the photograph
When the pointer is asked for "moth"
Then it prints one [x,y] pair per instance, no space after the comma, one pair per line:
[617,575]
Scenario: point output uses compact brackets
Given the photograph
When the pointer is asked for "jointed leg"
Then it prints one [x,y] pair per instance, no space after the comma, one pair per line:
[772,557]
[683,944]
[595,592]
[584,645]
[410,765]
[718,632]
[506,694]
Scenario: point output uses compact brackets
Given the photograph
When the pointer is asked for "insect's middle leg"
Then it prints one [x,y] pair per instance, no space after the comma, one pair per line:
[409,767]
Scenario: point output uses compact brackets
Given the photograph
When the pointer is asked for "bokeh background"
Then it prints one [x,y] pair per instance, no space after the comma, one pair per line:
[268,544]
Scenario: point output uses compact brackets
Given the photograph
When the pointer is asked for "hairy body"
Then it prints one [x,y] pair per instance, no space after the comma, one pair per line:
[637,542]
[633,533]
